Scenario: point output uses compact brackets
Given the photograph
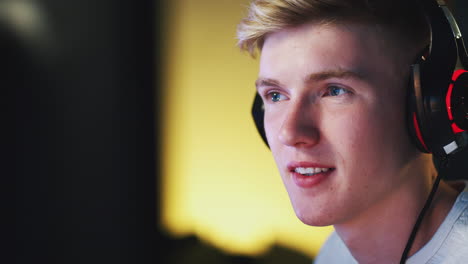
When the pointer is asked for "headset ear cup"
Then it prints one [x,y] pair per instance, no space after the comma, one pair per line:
[258,114]
[416,128]
[415,132]
[413,122]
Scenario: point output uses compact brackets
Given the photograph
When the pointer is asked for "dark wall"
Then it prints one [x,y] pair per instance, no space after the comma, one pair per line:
[82,145]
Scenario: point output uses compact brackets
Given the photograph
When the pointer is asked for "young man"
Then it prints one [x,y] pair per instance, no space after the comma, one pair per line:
[333,79]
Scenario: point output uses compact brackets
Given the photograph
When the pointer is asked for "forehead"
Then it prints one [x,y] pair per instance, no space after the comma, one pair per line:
[317,47]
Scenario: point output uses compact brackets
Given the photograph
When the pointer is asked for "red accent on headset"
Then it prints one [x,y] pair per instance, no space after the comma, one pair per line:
[456,129]
[418,132]
[448,100]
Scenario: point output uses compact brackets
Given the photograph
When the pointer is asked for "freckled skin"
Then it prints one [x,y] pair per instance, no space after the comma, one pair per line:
[363,137]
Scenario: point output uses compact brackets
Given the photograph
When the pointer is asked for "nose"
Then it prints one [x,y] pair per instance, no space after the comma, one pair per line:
[299,127]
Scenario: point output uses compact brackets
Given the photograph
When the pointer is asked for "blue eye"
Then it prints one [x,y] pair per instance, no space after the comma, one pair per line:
[336,91]
[276,97]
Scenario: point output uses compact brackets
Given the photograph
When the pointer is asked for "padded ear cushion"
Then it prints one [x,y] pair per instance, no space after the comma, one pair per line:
[414,100]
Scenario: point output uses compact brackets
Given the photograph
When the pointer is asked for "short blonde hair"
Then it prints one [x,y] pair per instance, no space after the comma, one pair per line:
[400,18]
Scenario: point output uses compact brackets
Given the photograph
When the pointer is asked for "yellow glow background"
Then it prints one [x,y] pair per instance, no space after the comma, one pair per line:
[219,180]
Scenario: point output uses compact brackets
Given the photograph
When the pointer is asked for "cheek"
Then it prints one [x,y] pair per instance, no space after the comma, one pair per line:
[370,140]
[357,135]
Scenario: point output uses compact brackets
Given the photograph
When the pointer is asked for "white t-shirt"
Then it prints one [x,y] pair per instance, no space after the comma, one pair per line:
[448,245]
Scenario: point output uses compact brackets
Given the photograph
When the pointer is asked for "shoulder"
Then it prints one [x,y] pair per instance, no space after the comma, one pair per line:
[455,247]
[459,213]
[449,244]
[334,251]
[456,243]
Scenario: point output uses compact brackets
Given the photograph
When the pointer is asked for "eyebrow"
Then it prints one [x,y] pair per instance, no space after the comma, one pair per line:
[267,82]
[316,77]
[339,73]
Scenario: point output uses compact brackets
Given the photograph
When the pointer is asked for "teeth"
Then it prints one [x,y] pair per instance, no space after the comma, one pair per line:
[302,170]
[310,171]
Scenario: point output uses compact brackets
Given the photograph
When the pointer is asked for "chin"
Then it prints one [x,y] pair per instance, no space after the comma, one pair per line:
[315,222]
[313,217]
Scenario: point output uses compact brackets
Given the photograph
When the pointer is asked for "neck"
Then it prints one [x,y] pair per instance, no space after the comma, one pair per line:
[379,234]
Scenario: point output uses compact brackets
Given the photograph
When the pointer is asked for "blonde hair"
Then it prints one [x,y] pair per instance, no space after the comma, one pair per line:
[400,18]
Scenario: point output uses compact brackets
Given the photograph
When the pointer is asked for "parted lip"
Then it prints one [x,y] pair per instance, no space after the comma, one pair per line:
[306,164]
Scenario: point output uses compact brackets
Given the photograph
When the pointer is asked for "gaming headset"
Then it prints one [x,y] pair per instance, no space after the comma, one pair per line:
[438,94]
[438,112]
